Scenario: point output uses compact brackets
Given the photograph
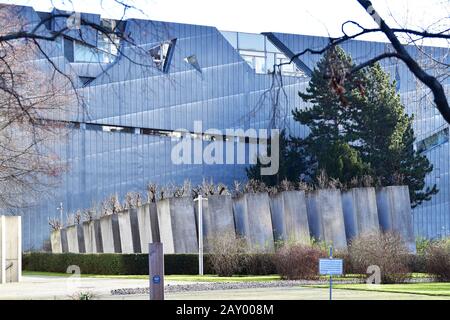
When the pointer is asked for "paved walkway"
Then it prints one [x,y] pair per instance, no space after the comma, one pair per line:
[42,287]
[47,287]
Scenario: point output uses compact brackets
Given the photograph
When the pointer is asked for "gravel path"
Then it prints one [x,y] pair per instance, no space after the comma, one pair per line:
[205,286]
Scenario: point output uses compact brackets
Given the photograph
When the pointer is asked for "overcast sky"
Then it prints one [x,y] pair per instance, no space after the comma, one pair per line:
[312,17]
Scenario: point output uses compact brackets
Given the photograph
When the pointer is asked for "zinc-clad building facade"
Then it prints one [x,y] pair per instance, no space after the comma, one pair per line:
[137,96]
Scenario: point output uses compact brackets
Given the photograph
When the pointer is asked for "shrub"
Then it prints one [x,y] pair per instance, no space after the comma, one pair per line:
[385,250]
[227,254]
[422,245]
[298,261]
[347,262]
[437,260]
[257,264]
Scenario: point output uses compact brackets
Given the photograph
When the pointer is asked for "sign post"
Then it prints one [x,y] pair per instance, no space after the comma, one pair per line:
[200,232]
[156,270]
[331,267]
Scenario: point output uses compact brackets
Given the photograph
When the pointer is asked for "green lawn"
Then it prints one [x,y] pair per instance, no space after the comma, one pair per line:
[431,289]
[194,278]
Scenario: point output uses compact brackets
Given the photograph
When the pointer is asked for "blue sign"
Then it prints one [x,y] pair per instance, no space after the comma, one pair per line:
[156,279]
[331,266]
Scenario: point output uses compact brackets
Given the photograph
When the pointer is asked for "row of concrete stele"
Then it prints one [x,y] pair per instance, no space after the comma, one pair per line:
[327,215]
[10,249]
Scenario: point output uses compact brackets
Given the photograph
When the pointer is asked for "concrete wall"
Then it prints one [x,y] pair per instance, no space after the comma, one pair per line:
[360,211]
[394,213]
[109,226]
[177,227]
[217,218]
[129,231]
[290,217]
[10,249]
[327,218]
[254,222]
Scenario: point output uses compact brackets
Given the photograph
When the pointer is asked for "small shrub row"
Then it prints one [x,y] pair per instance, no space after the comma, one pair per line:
[298,261]
[137,264]
[291,261]
[110,263]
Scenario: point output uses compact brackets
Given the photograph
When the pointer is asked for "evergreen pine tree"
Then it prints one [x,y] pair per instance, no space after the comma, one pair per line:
[293,163]
[385,137]
[328,118]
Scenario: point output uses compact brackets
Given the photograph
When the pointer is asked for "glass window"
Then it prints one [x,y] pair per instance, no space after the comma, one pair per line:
[68,49]
[270,61]
[434,140]
[256,60]
[260,53]
[231,37]
[84,53]
[250,41]
[270,47]
[161,54]
[289,69]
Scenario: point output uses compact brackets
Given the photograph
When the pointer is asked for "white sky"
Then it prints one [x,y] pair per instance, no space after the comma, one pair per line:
[312,17]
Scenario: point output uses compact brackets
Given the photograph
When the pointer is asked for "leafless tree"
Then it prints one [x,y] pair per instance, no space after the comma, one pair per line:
[29,95]
[424,74]
[36,94]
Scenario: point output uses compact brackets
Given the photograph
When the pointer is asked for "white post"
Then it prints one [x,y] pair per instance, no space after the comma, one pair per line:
[61,210]
[200,233]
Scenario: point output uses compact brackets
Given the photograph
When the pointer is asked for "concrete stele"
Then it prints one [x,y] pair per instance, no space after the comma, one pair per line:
[290,217]
[253,221]
[394,213]
[360,211]
[90,239]
[176,220]
[64,243]
[98,236]
[110,234]
[145,227]
[327,218]
[260,222]
[218,218]
[241,217]
[55,240]
[129,231]
[72,239]
[126,239]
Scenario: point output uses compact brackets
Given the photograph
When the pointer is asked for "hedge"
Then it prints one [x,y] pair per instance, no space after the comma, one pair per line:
[137,264]
[133,264]
[110,263]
